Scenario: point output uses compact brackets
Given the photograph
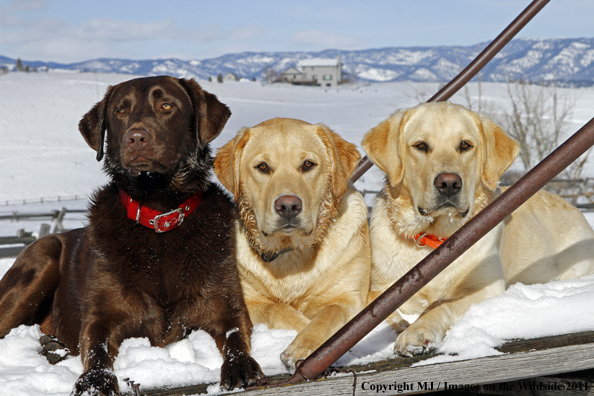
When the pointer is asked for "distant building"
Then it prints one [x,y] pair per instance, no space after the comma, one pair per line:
[317,71]
[230,77]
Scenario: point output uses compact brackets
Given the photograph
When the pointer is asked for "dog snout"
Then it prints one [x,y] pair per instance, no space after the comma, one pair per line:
[288,206]
[138,139]
[448,184]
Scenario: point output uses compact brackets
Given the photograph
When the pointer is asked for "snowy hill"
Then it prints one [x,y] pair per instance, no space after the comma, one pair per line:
[568,60]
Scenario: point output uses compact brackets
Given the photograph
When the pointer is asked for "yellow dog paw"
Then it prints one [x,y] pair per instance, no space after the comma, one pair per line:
[417,340]
[296,352]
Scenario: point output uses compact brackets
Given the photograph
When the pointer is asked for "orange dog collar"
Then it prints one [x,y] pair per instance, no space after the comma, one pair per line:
[428,240]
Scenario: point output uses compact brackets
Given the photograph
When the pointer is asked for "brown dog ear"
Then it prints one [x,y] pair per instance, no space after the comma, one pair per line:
[211,115]
[499,152]
[344,156]
[383,147]
[227,161]
[94,124]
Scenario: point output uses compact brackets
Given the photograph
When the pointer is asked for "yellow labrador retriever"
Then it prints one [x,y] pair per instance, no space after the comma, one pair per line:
[443,164]
[302,236]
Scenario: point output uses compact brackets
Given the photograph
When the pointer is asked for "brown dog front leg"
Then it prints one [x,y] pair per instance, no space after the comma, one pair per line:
[239,369]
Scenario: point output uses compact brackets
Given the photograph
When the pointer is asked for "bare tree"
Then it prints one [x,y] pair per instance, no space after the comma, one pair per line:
[422,92]
[271,75]
[537,119]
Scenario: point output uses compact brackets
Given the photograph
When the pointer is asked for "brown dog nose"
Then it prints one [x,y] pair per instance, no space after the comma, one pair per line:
[448,184]
[137,138]
[288,206]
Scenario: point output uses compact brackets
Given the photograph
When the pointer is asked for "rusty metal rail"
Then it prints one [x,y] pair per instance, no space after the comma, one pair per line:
[472,69]
[465,237]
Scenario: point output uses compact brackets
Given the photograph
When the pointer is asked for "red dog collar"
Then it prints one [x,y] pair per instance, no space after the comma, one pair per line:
[428,240]
[159,221]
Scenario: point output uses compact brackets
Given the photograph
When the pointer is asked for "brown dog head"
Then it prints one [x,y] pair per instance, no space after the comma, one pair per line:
[287,177]
[442,157]
[157,131]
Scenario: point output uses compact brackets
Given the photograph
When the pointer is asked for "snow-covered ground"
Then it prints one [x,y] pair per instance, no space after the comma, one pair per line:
[42,156]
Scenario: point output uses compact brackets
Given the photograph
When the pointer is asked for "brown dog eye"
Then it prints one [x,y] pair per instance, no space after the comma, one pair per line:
[166,106]
[263,167]
[465,146]
[121,111]
[307,166]
[422,146]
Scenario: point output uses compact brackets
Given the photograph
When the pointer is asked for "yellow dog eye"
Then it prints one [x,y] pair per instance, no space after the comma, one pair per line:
[120,111]
[465,146]
[307,166]
[263,167]
[166,106]
[422,146]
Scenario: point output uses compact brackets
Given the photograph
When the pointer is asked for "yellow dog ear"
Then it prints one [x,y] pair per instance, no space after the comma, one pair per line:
[383,147]
[499,152]
[344,157]
[226,164]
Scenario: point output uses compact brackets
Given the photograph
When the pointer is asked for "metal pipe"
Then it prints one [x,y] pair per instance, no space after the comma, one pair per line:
[441,257]
[472,69]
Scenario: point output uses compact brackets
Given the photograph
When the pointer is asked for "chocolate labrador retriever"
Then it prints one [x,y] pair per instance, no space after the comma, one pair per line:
[157,257]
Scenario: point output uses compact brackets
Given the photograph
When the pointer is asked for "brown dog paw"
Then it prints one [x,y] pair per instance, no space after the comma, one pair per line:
[240,370]
[53,349]
[96,383]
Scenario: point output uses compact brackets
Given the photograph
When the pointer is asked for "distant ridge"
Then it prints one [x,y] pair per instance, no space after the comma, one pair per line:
[569,61]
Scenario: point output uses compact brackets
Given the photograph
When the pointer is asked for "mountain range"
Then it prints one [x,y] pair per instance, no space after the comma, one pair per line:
[570,61]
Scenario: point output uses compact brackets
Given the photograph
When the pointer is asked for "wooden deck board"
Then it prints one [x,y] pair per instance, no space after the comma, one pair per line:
[522,359]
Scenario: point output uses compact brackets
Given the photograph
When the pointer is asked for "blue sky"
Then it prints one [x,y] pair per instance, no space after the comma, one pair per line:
[76,30]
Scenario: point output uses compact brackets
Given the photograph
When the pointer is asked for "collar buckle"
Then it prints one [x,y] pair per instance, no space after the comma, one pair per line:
[168,221]
[417,239]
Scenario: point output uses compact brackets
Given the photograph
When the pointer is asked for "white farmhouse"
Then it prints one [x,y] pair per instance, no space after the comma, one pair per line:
[316,71]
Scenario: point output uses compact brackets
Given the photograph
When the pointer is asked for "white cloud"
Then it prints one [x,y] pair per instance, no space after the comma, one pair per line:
[322,39]
[55,39]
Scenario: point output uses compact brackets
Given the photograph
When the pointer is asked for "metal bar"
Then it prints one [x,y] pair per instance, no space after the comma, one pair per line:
[11,240]
[53,214]
[11,251]
[472,69]
[441,257]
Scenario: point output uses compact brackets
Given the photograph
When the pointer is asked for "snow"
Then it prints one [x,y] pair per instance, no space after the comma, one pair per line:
[405,56]
[587,58]
[523,311]
[423,74]
[376,74]
[42,155]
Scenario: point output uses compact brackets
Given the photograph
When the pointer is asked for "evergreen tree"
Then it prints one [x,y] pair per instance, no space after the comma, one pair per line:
[220,78]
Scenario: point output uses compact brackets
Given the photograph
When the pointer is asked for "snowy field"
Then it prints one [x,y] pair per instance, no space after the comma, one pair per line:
[43,156]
